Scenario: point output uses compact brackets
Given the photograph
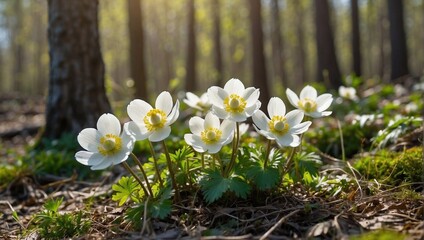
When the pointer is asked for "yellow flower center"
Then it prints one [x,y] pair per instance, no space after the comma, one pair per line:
[109,145]
[210,135]
[308,105]
[278,125]
[234,104]
[155,119]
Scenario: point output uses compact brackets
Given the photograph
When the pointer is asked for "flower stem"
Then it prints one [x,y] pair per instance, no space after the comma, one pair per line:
[128,168]
[234,153]
[137,161]
[171,172]
[155,163]
[203,161]
[268,150]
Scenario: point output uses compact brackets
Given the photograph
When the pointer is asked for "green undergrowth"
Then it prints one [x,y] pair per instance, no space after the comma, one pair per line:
[393,168]
[380,235]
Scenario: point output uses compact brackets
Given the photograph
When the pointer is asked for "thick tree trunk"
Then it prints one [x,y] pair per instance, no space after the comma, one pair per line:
[191,50]
[259,70]
[327,61]
[76,96]
[356,42]
[18,47]
[278,45]
[300,60]
[137,63]
[399,53]
[216,12]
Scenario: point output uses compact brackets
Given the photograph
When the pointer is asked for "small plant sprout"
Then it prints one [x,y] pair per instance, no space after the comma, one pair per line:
[234,101]
[152,123]
[201,103]
[209,135]
[105,146]
[348,93]
[281,127]
[310,103]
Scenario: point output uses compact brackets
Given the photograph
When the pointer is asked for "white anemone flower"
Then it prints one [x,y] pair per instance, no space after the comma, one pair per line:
[234,101]
[105,146]
[209,135]
[152,123]
[200,103]
[310,103]
[348,93]
[281,127]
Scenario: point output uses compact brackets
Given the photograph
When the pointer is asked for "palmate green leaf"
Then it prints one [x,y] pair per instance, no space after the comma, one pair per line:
[161,208]
[264,178]
[214,185]
[126,188]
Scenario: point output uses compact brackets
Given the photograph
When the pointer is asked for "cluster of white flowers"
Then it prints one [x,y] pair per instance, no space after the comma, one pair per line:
[106,145]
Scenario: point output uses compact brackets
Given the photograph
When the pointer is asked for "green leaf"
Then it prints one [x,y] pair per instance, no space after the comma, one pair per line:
[264,178]
[53,205]
[125,188]
[214,185]
[160,209]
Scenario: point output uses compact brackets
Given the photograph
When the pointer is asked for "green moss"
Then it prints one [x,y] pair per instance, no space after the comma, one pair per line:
[379,235]
[393,167]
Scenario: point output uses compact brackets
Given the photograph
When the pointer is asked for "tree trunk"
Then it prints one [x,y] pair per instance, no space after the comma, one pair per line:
[328,69]
[300,61]
[278,45]
[77,95]
[137,63]
[216,12]
[399,55]
[259,70]
[18,47]
[356,43]
[191,50]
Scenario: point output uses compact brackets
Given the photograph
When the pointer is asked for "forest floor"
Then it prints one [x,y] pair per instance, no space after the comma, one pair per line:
[296,214]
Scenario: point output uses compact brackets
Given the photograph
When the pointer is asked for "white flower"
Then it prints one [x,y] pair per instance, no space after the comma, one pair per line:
[348,93]
[152,123]
[282,127]
[311,104]
[208,134]
[411,107]
[105,145]
[234,102]
[193,101]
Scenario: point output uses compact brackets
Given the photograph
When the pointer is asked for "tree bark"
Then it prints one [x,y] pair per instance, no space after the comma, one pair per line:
[216,15]
[18,47]
[328,68]
[76,95]
[137,63]
[300,71]
[356,41]
[191,50]
[259,70]
[399,53]
[278,45]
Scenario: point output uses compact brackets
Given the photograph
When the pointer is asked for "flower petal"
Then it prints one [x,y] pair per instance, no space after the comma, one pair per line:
[292,97]
[138,131]
[108,123]
[252,109]
[300,128]
[164,102]
[213,148]
[83,157]
[234,85]
[195,142]
[196,125]
[238,117]
[104,164]
[288,140]
[160,135]
[89,139]
[175,113]
[260,120]
[251,95]
[120,157]
[324,101]
[276,107]
[211,121]
[219,112]
[216,96]
[227,128]
[294,117]
[137,110]
[308,92]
